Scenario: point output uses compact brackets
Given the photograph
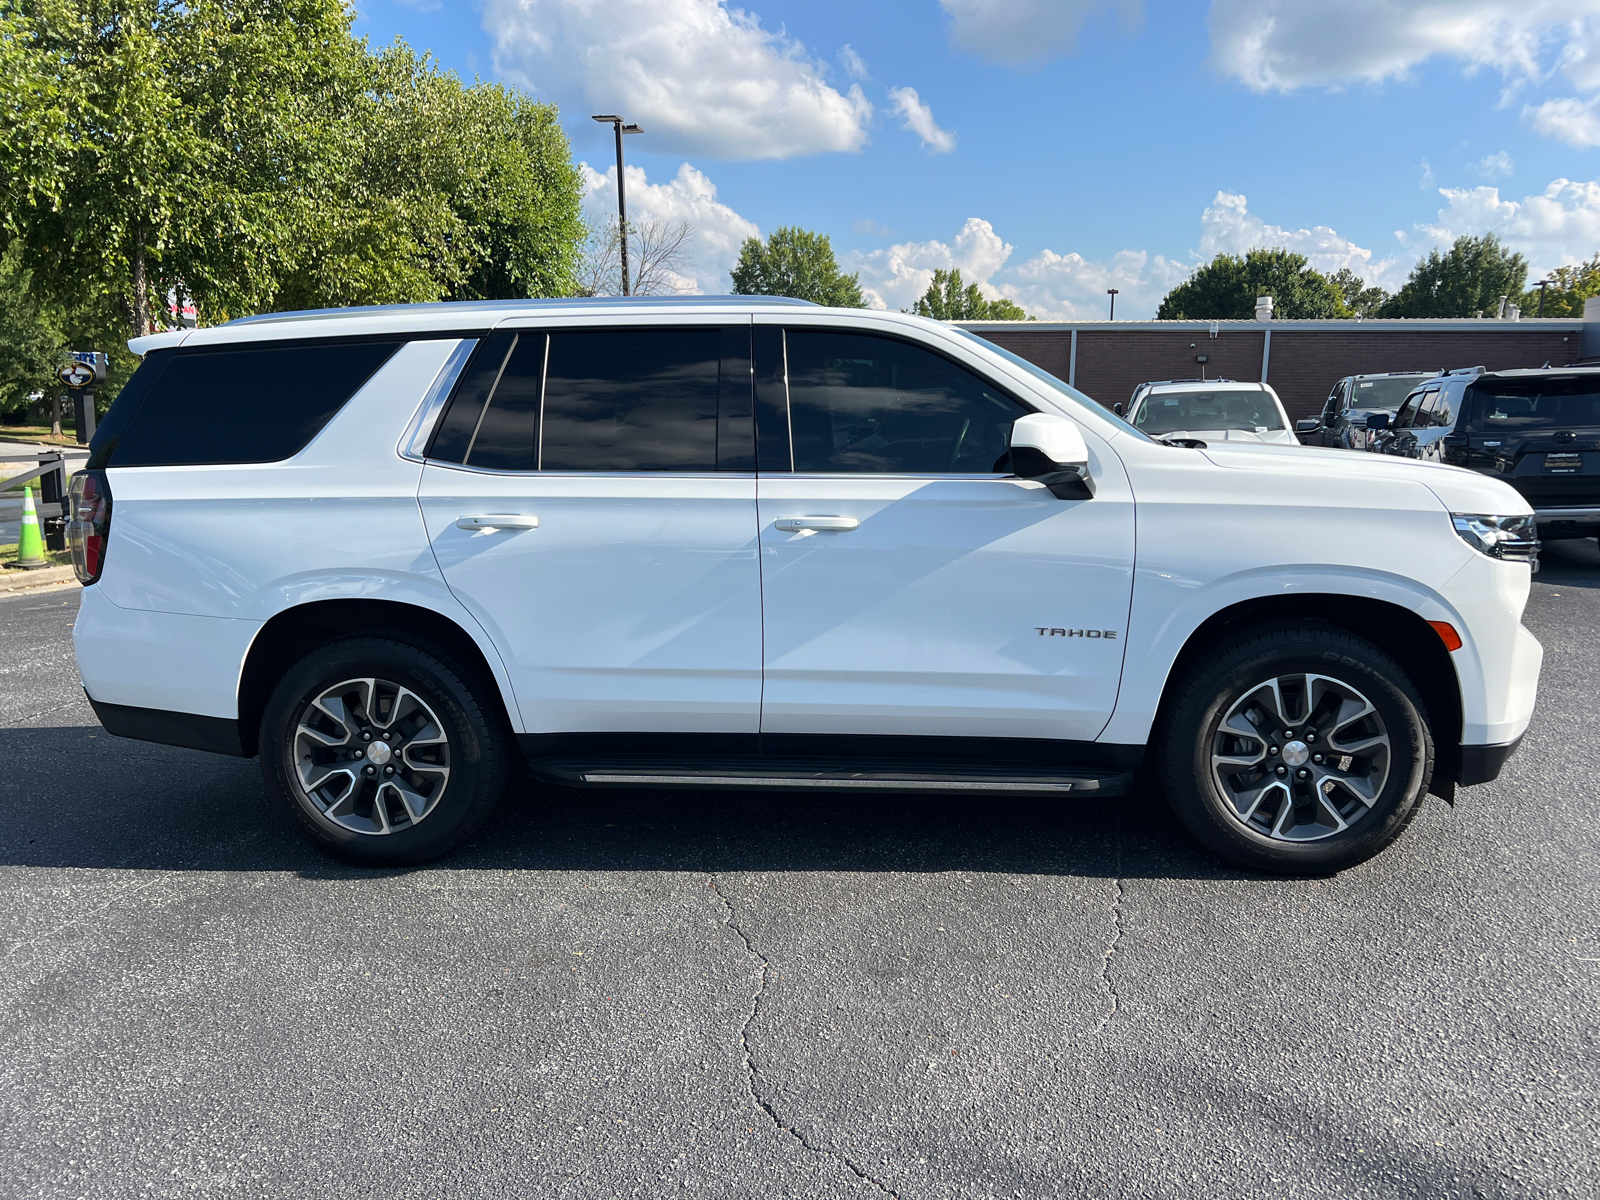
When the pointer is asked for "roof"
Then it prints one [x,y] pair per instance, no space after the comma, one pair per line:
[448,317]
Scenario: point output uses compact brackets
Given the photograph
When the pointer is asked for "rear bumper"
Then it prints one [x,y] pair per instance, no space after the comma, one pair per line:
[219,735]
[1482,764]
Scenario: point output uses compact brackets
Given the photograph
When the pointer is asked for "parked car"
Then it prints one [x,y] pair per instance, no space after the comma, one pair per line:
[736,543]
[1343,420]
[1538,430]
[1214,410]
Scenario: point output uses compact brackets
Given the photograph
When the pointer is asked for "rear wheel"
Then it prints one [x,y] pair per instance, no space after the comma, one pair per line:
[1296,749]
[382,752]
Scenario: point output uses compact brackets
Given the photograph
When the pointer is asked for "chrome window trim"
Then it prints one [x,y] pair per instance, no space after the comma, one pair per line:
[414,441]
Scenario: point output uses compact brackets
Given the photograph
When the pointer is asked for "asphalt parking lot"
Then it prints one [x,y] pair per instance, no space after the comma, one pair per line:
[618,994]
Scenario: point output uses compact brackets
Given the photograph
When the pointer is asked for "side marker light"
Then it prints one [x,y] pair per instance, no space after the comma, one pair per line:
[1447,634]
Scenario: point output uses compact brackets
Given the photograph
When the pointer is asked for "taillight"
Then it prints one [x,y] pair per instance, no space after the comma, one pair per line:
[89,523]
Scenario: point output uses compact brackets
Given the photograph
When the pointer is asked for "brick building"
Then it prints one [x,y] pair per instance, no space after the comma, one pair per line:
[1300,359]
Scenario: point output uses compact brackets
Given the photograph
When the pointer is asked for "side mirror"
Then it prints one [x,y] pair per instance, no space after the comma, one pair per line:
[1117,408]
[1309,425]
[1051,450]
[1377,421]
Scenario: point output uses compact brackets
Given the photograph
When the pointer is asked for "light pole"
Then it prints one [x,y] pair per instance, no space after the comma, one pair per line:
[622,200]
[1112,292]
[1543,283]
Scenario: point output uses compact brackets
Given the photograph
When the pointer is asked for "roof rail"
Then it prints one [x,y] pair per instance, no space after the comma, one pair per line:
[1464,371]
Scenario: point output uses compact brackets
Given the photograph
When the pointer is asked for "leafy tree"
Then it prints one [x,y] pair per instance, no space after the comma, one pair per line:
[30,341]
[252,155]
[795,262]
[1226,288]
[1361,300]
[1570,287]
[1470,277]
[947,300]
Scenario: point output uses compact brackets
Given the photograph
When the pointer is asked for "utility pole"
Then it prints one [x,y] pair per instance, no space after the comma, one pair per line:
[622,198]
[1112,292]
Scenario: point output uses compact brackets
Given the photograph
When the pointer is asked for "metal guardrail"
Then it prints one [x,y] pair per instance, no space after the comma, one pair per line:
[52,476]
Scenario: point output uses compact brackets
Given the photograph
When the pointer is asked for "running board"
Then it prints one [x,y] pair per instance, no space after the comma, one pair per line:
[1011,779]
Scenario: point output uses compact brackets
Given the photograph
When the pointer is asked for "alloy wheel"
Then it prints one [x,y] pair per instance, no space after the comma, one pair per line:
[371,756]
[1300,757]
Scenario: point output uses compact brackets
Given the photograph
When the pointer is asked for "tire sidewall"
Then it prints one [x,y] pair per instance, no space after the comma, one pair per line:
[441,688]
[1207,811]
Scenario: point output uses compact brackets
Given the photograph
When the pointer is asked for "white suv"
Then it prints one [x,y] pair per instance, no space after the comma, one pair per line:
[1210,410]
[750,543]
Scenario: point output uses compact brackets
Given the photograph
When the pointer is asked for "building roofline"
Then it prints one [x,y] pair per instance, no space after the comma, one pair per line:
[1385,325]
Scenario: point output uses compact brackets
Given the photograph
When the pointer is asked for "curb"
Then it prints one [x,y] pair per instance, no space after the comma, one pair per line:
[13,580]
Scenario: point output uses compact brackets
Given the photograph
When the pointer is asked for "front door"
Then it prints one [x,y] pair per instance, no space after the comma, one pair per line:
[590,497]
[910,587]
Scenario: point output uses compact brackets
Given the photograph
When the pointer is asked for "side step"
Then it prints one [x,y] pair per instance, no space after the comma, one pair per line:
[1025,779]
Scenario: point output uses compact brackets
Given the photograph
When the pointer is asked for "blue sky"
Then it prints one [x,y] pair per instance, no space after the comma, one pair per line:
[1054,148]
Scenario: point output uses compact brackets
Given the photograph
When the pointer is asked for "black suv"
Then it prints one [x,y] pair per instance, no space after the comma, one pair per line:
[1343,420]
[1539,430]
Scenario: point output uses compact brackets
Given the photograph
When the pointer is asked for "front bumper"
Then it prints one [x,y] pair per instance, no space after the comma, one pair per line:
[1482,764]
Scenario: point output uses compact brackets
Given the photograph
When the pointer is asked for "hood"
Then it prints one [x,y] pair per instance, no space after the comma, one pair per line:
[1456,488]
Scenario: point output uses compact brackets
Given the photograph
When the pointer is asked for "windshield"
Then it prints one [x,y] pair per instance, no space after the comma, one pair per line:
[1374,395]
[1161,413]
[1066,389]
[1551,402]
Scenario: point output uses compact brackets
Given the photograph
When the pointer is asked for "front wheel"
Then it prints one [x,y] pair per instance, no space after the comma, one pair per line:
[382,752]
[1296,748]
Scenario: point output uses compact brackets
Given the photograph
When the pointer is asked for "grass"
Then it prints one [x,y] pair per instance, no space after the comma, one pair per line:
[62,558]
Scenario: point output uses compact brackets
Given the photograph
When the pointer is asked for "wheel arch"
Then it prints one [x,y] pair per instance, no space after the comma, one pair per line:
[293,633]
[1396,630]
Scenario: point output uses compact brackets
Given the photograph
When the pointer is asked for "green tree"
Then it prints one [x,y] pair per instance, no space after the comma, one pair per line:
[1468,278]
[252,155]
[947,300]
[1361,300]
[1570,287]
[1227,287]
[795,262]
[30,341]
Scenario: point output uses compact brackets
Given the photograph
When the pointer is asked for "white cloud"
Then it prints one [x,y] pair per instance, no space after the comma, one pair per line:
[1559,226]
[1575,122]
[919,120]
[854,64]
[895,277]
[1069,287]
[1227,226]
[691,197]
[1496,166]
[1279,45]
[1022,31]
[702,78]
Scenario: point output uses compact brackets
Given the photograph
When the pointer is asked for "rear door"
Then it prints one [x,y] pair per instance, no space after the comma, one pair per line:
[911,587]
[590,497]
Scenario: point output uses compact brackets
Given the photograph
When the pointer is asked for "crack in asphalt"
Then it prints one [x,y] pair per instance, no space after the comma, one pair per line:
[1119,893]
[752,1072]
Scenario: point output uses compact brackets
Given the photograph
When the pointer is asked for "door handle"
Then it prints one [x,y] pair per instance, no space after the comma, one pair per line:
[807,524]
[493,522]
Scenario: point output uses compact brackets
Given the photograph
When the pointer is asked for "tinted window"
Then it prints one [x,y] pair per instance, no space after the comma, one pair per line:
[1548,403]
[631,400]
[459,425]
[240,404]
[109,431]
[859,403]
[1407,416]
[507,437]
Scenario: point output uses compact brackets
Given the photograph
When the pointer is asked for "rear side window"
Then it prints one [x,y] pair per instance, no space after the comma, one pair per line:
[860,403]
[604,400]
[244,404]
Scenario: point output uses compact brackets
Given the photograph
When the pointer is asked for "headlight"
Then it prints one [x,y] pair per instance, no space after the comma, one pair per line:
[1514,539]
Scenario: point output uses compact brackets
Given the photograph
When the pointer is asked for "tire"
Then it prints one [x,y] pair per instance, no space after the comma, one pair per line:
[1351,805]
[408,798]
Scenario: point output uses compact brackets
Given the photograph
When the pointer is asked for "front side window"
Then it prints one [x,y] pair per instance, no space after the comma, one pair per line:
[1224,408]
[1407,416]
[859,403]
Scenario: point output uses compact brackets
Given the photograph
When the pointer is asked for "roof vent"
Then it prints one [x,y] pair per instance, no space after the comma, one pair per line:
[1263,308]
